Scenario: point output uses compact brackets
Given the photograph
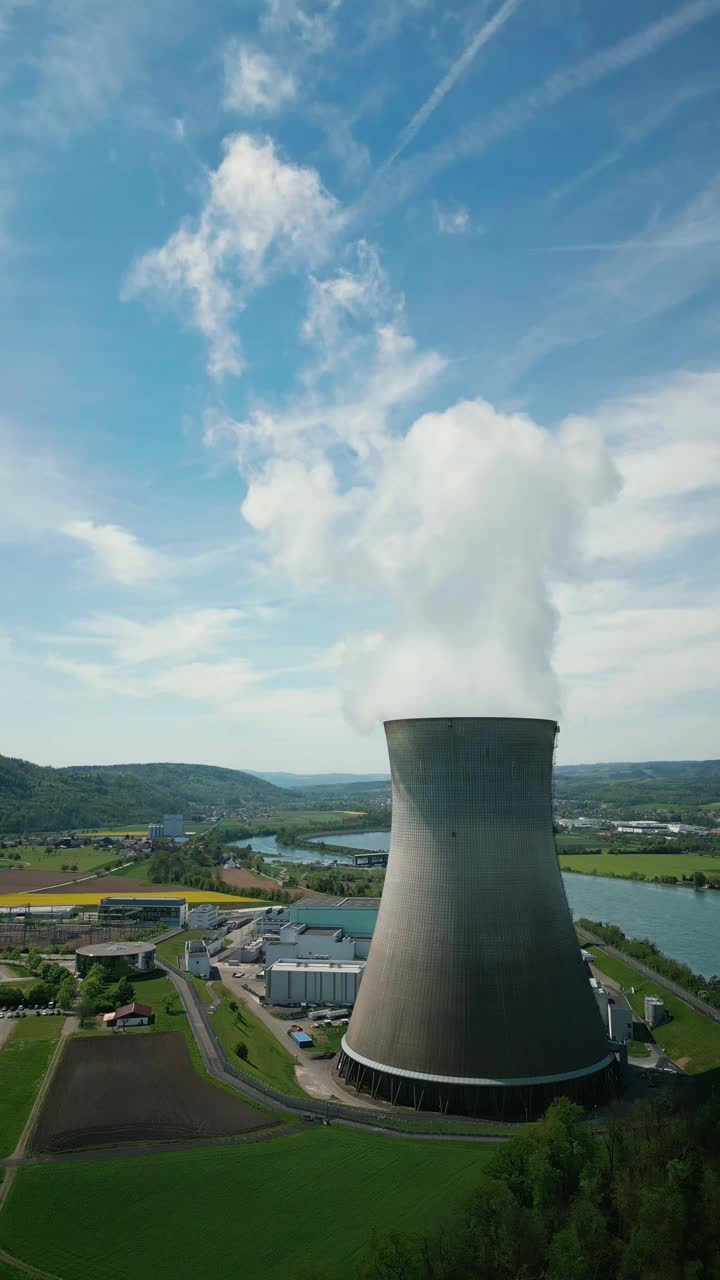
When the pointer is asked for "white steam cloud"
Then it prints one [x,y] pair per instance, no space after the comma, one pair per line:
[463,525]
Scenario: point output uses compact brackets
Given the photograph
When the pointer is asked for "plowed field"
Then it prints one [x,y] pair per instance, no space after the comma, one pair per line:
[130,1087]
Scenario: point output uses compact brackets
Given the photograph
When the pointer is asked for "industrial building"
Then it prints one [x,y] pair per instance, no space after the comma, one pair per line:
[170,911]
[356,917]
[197,958]
[620,1023]
[302,941]
[117,958]
[295,982]
[173,825]
[475,998]
[204,916]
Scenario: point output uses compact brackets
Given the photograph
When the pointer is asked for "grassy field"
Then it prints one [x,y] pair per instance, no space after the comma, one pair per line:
[645,864]
[267,1060]
[690,1039]
[92,899]
[135,871]
[311,1197]
[172,948]
[23,1063]
[36,858]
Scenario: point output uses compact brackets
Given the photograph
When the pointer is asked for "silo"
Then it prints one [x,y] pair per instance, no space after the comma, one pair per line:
[475,997]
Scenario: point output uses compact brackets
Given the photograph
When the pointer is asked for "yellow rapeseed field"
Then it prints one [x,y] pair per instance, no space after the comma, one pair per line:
[92,899]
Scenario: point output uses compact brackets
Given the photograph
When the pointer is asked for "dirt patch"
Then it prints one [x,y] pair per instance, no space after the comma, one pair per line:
[125,1087]
[21,881]
[682,1063]
[242,879]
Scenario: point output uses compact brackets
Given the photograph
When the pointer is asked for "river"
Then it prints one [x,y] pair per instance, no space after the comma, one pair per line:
[684,923]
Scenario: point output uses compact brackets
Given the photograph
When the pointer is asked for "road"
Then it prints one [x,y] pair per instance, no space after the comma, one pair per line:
[686,996]
[312,1074]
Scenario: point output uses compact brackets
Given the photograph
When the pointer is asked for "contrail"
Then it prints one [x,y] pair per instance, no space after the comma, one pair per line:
[519,112]
[486,33]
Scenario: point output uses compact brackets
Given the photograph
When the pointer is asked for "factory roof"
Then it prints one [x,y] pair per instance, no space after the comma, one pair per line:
[345,904]
[116,949]
[319,966]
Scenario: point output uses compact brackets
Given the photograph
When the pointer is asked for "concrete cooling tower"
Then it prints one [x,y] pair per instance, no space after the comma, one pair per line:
[475,998]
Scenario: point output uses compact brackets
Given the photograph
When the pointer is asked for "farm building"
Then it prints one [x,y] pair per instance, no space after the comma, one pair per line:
[130,1015]
[116,957]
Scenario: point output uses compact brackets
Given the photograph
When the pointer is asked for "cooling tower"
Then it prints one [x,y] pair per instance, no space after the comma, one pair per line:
[474,998]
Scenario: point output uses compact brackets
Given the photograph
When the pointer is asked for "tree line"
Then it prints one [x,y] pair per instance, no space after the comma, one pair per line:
[639,1200]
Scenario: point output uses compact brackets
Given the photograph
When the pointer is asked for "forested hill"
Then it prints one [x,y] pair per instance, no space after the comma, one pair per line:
[35,798]
[654,782]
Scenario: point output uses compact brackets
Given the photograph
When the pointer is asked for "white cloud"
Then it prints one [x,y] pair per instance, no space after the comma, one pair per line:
[36,485]
[255,82]
[119,553]
[180,635]
[259,212]
[313,24]
[452,221]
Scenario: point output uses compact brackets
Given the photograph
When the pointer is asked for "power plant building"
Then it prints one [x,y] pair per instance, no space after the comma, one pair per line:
[475,998]
[327,982]
[116,958]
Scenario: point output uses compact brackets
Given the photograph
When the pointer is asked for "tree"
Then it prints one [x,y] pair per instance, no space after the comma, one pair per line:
[10,997]
[241,1050]
[67,992]
[123,992]
[86,1008]
[40,993]
[699,880]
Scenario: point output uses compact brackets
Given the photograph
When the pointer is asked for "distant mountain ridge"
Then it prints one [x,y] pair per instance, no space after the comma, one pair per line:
[38,798]
[319,779]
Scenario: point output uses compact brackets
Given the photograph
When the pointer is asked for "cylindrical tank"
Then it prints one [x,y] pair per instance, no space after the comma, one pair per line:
[475,996]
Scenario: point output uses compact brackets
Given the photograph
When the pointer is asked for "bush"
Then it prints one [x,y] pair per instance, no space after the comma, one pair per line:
[241,1050]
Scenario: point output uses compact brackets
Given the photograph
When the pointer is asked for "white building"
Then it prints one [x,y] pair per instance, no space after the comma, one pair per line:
[602,1000]
[203,916]
[294,982]
[173,825]
[621,1023]
[197,958]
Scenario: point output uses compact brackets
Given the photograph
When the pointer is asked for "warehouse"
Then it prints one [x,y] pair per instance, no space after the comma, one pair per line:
[294,982]
[117,958]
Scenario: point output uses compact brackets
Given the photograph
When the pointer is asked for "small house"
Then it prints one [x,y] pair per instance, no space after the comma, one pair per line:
[130,1015]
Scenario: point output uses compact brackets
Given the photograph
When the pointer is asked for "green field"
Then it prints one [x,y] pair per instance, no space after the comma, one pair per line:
[23,1063]
[172,948]
[315,1196]
[34,857]
[267,1061]
[644,864]
[135,871]
[690,1039]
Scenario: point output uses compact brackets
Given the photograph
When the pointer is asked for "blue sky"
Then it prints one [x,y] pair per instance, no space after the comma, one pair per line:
[358,361]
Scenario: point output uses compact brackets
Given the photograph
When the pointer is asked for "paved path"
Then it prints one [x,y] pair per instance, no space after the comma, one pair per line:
[7,1026]
[686,996]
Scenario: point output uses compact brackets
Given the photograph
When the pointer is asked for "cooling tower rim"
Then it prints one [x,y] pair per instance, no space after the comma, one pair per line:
[446,720]
[477,1081]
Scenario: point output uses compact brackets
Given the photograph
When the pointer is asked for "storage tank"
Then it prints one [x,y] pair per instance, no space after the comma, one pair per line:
[475,998]
[654,1011]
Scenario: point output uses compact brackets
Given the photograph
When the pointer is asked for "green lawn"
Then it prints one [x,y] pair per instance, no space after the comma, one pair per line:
[171,950]
[312,1196]
[35,858]
[638,1049]
[135,871]
[23,1063]
[267,1060]
[32,1028]
[690,1039]
[645,864]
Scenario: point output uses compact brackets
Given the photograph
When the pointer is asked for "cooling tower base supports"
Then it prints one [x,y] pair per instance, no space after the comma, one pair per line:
[510,1102]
